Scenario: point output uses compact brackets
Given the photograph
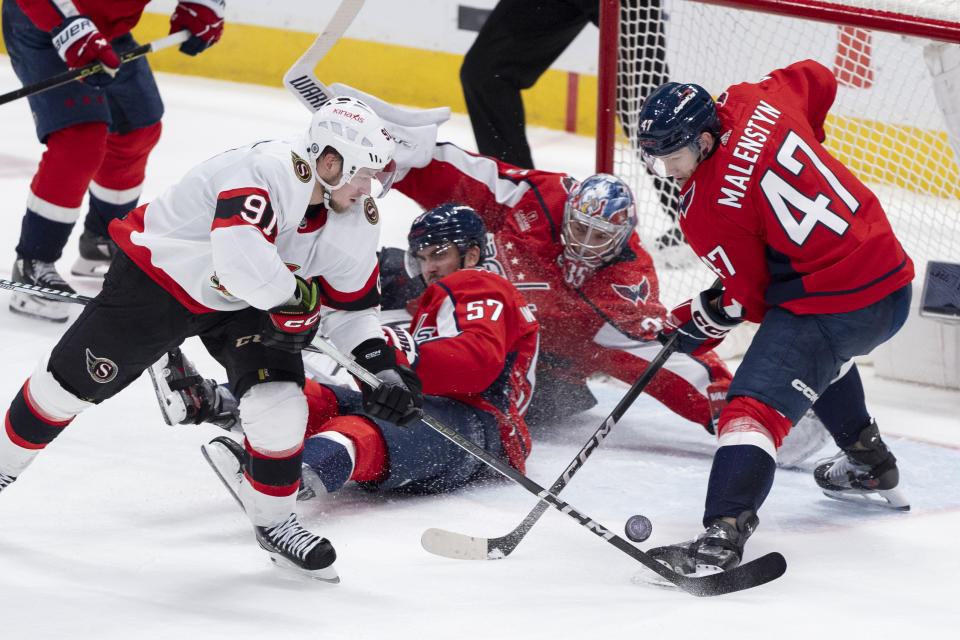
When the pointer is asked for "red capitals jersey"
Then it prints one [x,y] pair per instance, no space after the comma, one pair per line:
[112,18]
[782,221]
[478,344]
[524,210]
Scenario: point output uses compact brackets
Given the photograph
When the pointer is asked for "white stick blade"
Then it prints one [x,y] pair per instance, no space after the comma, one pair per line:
[454,545]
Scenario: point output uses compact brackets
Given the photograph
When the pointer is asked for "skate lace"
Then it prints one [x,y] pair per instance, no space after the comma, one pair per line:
[45,274]
[292,537]
[842,465]
[5,480]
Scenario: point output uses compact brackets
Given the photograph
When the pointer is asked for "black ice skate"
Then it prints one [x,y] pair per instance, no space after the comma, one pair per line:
[42,274]
[867,475]
[288,543]
[96,252]
[5,481]
[186,398]
[718,548]
[292,546]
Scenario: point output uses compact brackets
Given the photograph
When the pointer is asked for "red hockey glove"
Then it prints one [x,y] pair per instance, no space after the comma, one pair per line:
[203,18]
[702,323]
[398,399]
[291,326]
[79,42]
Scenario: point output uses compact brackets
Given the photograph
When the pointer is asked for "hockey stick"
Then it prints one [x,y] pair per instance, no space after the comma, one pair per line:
[53,294]
[300,78]
[94,67]
[751,574]
[457,545]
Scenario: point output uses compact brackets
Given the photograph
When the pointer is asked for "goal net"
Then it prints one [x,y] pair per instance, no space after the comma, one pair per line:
[888,123]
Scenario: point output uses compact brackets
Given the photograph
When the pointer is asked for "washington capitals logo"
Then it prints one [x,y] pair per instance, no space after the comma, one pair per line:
[633,293]
[685,201]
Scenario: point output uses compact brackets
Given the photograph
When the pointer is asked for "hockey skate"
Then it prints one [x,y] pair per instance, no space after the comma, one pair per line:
[292,546]
[96,252]
[5,481]
[42,274]
[186,398]
[805,438]
[868,476]
[718,548]
[226,457]
[288,543]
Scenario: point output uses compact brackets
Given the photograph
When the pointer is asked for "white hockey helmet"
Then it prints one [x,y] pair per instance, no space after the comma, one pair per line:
[360,137]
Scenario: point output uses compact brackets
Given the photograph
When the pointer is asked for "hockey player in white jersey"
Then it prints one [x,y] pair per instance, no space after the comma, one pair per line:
[252,250]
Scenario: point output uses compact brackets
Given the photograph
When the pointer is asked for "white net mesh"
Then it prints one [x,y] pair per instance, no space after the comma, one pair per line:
[886,124]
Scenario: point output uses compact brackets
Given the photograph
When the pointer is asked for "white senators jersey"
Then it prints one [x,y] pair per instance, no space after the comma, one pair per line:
[235,229]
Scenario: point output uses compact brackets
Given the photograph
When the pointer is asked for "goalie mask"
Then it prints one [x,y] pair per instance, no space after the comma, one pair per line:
[449,224]
[598,218]
[357,133]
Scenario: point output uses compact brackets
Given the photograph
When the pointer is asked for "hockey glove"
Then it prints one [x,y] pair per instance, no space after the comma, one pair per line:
[203,19]
[292,326]
[703,322]
[79,42]
[398,398]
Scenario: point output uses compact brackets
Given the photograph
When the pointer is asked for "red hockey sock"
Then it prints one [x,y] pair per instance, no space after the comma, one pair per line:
[372,462]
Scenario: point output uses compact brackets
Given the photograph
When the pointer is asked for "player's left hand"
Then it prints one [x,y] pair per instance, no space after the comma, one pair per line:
[702,322]
[204,20]
[399,398]
[292,325]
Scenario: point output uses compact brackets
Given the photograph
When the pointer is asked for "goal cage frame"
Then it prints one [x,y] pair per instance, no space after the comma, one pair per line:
[860,33]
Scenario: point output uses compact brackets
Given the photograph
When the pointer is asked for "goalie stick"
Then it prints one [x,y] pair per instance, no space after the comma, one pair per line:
[94,67]
[751,574]
[300,78]
[459,546]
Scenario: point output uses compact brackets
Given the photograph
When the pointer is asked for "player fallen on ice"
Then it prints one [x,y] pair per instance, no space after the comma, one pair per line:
[473,343]
[805,249]
[252,250]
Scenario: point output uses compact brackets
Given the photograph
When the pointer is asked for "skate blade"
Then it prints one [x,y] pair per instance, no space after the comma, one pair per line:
[171,405]
[327,574]
[86,268]
[39,307]
[883,499]
[213,458]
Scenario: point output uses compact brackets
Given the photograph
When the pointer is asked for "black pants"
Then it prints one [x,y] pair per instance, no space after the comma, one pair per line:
[134,321]
[521,39]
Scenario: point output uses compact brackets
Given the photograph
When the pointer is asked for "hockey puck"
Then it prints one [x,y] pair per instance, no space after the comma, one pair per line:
[638,528]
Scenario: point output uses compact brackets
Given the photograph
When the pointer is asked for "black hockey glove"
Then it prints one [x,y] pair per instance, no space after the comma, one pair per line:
[291,326]
[398,399]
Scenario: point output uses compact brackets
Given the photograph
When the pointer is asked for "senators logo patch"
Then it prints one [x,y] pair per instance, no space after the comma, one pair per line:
[636,294]
[370,211]
[102,370]
[301,168]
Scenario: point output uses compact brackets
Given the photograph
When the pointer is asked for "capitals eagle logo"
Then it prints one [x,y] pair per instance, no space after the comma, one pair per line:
[633,293]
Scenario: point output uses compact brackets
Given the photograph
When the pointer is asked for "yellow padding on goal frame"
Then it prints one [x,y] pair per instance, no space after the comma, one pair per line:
[422,78]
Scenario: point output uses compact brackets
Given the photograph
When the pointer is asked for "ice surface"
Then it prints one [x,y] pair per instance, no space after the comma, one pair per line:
[119,530]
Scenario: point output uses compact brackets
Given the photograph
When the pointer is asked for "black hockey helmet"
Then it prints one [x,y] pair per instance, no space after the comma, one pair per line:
[450,222]
[674,115]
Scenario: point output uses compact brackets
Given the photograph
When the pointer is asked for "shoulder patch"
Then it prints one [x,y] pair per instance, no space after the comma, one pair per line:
[370,211]
[301,168]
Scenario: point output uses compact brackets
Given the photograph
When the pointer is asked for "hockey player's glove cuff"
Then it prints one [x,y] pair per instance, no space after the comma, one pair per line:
[702,322]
